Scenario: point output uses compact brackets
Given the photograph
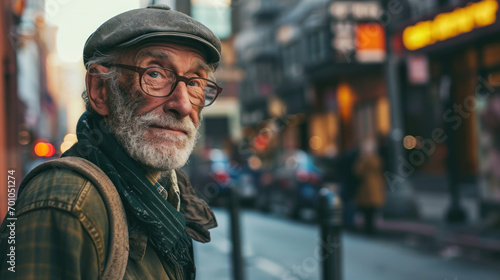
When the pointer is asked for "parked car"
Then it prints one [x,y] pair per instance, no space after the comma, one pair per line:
[295,185]
[265,179]
[209,175]
[213,176]
[247,186]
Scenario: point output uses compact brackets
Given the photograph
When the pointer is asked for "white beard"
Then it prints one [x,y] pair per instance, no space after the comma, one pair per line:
[130,131]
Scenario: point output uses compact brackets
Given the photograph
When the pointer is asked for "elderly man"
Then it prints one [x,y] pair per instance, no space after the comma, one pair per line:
[149,74]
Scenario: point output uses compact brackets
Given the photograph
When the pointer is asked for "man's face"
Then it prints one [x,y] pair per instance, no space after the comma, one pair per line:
[159,132]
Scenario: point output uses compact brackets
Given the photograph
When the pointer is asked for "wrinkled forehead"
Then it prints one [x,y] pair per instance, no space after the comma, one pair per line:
[154,48]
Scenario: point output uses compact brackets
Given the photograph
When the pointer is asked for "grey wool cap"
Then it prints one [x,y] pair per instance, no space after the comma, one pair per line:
[156,22]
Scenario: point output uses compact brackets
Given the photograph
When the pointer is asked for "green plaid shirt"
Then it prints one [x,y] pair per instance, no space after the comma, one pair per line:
[62,233]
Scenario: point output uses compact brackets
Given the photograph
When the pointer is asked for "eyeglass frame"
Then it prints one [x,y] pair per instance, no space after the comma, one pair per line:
[178,78]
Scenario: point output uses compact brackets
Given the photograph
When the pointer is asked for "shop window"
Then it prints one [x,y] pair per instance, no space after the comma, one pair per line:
[464,84]
[345,99]
[296,54]
[246,91]
[265,79]
[310,47]
[323,133]
[491,54]
[291,59]
[465,61]
[317,45]
[383,116]
[277,74]
[323,45]
[253,76]
[287,59]
[489,149]
[365,122]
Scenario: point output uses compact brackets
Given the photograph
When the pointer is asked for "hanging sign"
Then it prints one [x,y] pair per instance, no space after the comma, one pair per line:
[448,25]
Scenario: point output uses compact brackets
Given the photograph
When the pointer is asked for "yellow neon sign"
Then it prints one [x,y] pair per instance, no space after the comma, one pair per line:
[448,25]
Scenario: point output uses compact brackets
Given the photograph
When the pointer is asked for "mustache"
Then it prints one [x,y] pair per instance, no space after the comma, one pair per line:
[169,120]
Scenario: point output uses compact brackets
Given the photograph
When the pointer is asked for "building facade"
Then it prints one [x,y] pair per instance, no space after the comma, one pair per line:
[450,62]
[419,77]
[11,111]
[314,74]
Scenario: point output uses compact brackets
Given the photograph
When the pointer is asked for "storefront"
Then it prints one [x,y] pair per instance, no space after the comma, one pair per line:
[349,93]
[356,104]
[450,86]
[325,68]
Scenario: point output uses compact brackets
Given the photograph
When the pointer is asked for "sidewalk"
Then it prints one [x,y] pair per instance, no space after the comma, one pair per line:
[471,237]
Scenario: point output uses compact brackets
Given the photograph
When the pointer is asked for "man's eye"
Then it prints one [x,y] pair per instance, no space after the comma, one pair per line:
[154,74]
[194,83]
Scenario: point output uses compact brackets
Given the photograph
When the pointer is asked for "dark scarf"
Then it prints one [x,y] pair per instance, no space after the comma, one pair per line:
[164,225]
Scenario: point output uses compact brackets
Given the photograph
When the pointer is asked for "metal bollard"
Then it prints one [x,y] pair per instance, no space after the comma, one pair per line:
[330,217]
[234,213]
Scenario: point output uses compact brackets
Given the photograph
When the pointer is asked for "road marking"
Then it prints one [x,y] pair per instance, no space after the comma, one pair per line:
[225,246]
[269,267]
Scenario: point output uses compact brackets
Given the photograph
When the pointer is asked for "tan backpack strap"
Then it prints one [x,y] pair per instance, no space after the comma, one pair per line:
[118,237]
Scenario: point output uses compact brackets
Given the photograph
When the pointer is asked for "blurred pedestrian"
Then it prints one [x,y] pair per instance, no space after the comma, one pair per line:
[149,74]
[370,195]
[349,187]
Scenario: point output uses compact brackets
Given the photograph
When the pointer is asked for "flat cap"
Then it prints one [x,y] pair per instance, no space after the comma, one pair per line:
[156,22]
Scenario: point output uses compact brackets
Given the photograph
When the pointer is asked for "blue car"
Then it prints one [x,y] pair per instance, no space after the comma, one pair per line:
[296,184]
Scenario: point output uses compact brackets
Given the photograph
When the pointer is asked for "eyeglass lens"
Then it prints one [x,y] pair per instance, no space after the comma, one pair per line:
[160,82]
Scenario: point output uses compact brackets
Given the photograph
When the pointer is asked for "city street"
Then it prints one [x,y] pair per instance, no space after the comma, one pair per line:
[393,106]
[277,248]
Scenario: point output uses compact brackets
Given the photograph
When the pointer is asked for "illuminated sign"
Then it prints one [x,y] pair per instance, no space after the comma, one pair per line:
[448,25]
[358,10]
[370,42]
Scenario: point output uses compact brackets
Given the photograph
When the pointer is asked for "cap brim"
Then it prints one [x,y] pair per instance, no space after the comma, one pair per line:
[213,55]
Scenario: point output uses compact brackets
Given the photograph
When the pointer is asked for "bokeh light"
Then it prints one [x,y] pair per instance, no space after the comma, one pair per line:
[409,142]
[315,142]
[43,149]
[254,162]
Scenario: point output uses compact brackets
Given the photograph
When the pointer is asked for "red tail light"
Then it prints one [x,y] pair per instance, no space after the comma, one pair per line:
[222,177]
[43,148]
[302,175]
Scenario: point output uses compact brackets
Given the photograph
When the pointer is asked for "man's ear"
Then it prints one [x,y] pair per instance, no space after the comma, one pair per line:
[96,89]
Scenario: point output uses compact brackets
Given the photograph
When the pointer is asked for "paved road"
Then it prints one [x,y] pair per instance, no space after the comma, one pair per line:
[276,248]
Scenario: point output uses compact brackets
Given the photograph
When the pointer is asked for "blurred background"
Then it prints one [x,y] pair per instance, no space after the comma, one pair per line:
[394,105]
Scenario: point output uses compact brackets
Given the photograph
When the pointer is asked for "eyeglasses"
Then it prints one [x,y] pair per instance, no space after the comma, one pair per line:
[161,82]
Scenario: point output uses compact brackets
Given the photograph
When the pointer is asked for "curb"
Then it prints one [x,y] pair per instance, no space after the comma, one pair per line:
[441,235]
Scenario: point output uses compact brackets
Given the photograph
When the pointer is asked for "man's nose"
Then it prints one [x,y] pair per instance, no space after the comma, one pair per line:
[178,102]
